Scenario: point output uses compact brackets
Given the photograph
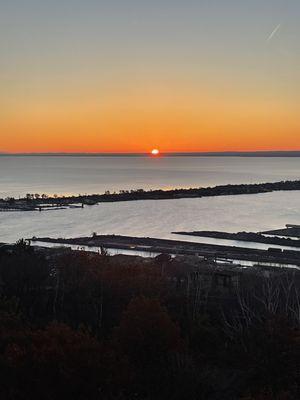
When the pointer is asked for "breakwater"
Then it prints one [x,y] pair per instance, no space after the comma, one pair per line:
[252,237]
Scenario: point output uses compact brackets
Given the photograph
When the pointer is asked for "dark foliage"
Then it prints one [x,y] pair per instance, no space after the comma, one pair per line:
[87,326]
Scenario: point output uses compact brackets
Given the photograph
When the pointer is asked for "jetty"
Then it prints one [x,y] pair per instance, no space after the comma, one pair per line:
[291,230]
[252,237]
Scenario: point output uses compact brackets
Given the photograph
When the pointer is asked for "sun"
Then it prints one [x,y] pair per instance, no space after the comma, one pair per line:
[155,152]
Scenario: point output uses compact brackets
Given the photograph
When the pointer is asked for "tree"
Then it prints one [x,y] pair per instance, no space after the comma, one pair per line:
[147,334]
[56,363]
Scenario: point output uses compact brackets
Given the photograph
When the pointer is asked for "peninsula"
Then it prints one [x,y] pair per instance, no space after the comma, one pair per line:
[39,202]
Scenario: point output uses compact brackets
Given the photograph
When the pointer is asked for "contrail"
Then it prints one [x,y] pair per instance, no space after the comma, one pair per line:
[274,32]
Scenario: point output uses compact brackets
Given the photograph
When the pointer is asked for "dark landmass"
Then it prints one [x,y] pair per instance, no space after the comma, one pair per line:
[289,232]
[77,325]
[244,237]
[153,245]
[34,202]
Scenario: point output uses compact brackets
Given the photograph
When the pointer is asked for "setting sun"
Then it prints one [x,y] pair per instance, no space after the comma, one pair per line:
[155,152]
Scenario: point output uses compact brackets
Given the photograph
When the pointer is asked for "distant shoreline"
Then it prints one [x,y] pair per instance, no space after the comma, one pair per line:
[169,154]
[42,202]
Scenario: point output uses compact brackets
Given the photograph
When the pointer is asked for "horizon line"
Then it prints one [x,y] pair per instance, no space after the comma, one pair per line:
[265,153]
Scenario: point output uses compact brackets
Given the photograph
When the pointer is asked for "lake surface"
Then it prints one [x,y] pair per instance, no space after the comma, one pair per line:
[79,175]
[19,175]
[158,218]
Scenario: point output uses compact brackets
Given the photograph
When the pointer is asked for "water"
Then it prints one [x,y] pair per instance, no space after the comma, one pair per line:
[80,175]
[158,218]
[19,175]
[111,251]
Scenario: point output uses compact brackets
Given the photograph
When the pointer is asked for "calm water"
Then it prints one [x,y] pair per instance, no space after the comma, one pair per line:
[158,218]
[74,175]
[19,175]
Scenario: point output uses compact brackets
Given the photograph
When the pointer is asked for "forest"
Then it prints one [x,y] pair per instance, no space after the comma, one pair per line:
[84,325]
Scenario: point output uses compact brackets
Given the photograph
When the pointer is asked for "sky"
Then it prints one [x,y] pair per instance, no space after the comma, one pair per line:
[132,75]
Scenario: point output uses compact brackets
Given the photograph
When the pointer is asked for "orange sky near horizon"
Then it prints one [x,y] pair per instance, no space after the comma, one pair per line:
[130,76]
[133,123]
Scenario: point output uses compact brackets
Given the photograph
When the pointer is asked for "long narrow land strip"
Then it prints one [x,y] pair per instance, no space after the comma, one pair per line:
[154,245]
[43,202]
[252,237]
